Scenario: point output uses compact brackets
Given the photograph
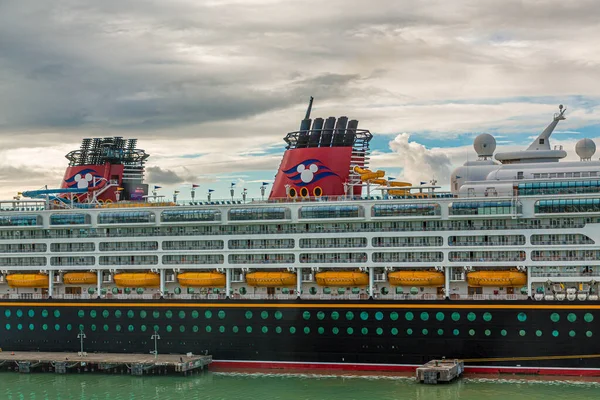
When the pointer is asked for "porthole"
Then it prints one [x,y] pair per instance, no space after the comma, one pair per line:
[409,316]
[439,316]
[487,317]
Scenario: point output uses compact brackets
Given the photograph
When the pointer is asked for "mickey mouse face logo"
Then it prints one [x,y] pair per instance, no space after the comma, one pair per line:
[83,181]
[307,174]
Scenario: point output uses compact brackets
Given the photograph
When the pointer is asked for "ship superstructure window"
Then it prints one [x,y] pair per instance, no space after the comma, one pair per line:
[195,215]
[481,208]
[410,241]
[405,210]
[23,248]
[567,206]
[333,258]
[20,220]
[561,239]
[412,257]
[23,261]
[487,240]
[128,246]
[345,211]
[261,258]
[324,243]
[72,261]
[71,247]
[128,260]
[486,256]
[193,245]
[568,187]
[258,213]
[565,255]
[69,219]
[193,259]
[125,217]
[262,244]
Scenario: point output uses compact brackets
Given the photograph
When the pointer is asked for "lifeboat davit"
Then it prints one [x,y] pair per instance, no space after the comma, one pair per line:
[342,278]
[497,278]
[271,279]
[416,278]
[27,280]
[80,278]
[137,279]
[201,279]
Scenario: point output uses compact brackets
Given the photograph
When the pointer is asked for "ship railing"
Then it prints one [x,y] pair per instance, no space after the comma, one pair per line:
[131,296]
[488,297]
[426,296]
[334,296]
[264,296]
[197,296]
[563,274]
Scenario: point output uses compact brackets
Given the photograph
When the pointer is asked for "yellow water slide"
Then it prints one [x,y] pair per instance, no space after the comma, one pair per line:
[376,178]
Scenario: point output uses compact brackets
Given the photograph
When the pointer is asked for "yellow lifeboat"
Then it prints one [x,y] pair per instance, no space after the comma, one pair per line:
[201,279]
[342,278]
[416,278]
[271,279]
[497,278]
[80,278]
[27,280]
[137,279]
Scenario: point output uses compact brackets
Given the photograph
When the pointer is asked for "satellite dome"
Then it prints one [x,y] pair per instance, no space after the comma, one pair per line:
[585,148]
[484,145]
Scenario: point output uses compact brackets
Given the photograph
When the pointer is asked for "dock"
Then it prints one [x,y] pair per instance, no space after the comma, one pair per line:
[133,364]
[440,371]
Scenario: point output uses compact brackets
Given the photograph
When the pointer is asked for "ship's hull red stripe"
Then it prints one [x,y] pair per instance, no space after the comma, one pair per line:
[475,369]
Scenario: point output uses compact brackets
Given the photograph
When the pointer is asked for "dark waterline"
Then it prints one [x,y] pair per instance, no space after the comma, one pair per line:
[286,386]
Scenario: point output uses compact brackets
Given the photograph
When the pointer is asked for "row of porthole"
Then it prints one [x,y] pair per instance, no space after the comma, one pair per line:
[292,330]
[409,316]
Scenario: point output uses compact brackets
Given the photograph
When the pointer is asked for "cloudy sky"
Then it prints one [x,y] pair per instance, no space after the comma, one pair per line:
[211,87]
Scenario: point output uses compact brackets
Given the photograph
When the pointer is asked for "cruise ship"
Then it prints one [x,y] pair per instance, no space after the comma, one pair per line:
[338,267]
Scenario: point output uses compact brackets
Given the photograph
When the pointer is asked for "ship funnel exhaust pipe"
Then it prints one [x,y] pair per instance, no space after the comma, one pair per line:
[315,133]
[351,132]
[340,131]
[327,133]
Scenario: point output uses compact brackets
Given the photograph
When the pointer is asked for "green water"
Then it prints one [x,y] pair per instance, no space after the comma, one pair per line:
[232,386]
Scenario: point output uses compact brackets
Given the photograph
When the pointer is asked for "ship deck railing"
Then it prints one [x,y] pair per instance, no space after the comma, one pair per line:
[213,296]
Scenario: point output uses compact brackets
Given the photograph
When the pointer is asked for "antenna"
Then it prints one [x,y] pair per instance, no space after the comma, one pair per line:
[309,108]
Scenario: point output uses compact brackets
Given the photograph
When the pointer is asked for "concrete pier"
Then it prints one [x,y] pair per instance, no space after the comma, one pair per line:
[134,364]
[437,371]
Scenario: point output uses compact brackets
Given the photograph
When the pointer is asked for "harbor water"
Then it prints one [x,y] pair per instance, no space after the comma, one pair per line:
[286,386]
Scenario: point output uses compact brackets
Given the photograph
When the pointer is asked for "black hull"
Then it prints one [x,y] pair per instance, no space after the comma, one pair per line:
[515,333]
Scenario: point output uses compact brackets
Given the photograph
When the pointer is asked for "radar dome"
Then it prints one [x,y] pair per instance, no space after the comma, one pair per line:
[484,145]
[585,148]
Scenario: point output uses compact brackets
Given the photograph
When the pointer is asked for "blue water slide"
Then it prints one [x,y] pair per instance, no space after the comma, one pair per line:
[45,192]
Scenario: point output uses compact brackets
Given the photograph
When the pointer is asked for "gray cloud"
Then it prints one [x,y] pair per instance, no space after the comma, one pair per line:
[167,176]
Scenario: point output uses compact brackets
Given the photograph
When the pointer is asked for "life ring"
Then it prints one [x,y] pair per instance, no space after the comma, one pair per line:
[108,201]
[304,192]
[318,191]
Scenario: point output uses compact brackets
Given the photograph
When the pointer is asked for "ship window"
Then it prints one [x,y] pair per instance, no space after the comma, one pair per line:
[125,217]
[398,210]
[20,220]
[542,141]
[194,215]
[258,214]
[345,211]
[69,219]
[481,208]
